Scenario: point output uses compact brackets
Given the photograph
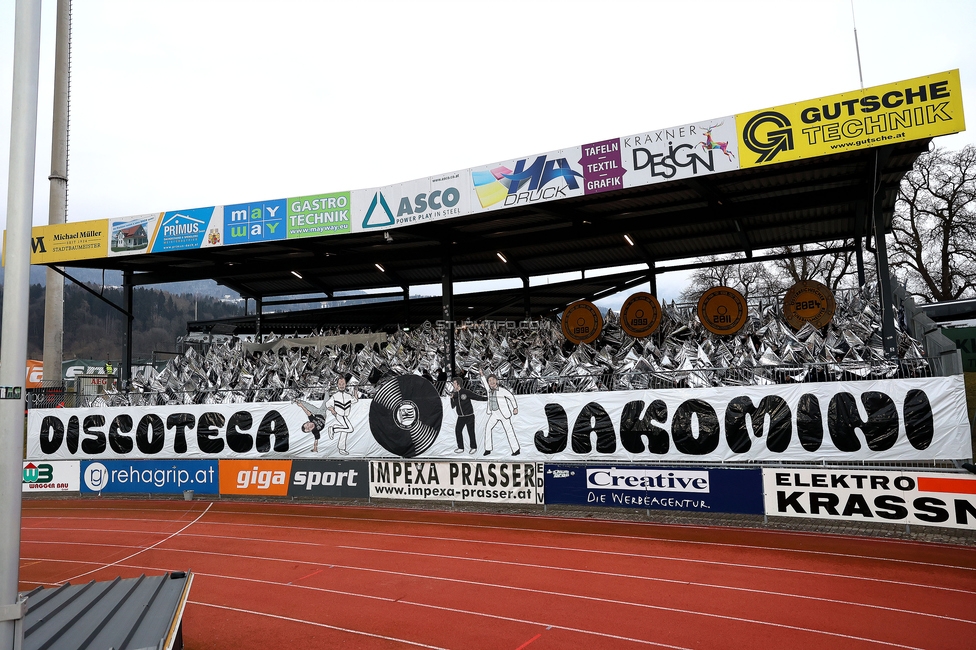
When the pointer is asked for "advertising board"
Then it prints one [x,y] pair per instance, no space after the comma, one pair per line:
[656,488]
[149,476]
[461,481]
[54,476]
[329,478]
[905,110]
[905,497]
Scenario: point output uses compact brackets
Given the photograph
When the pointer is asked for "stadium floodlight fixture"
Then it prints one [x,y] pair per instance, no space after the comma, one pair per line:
[297,274]
[501,257]
[380,267]
[629,240]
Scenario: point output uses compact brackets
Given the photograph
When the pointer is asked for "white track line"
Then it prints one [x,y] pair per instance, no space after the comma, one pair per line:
[663,558]
[599,535]
[453,557]
[689,583]
[81,575]
[556,626]
[304,622]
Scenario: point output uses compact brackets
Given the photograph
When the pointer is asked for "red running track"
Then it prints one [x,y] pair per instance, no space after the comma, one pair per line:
[315,576]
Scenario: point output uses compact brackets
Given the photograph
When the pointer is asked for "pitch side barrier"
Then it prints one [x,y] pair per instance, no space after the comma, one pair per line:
[853,494]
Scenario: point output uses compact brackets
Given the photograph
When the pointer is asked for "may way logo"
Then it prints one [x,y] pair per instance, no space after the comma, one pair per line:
[525,184]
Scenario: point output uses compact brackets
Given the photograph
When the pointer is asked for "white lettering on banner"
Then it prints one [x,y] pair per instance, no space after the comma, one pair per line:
[898,420]
[921,498]
[643,480]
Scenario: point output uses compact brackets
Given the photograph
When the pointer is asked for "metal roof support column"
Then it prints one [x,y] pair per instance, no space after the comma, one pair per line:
[447,309]
[652,281]
[527,296]
[406,307]
[257,319]
[125,372]
[885,293]
[859,256]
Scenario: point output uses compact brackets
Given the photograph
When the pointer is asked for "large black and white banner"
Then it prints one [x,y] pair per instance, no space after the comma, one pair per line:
[905,419]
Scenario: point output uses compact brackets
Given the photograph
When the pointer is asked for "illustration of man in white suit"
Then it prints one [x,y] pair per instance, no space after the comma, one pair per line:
[501,407]
[340,405]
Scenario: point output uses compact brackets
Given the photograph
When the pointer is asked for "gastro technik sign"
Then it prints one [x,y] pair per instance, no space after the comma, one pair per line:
[908,497]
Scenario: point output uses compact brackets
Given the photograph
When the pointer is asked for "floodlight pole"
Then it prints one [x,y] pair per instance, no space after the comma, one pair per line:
[13,345]
[58,198]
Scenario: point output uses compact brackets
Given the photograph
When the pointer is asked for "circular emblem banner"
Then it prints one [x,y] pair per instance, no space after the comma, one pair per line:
[808,301]
[582,322]
[405,415]
[722,310]
[641,315]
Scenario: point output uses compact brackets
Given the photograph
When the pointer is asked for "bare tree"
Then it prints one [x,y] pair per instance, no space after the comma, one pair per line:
[837,270]
[749,279]
[933,241]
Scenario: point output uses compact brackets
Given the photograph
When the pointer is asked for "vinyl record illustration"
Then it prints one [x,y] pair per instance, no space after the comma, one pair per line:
[405,416]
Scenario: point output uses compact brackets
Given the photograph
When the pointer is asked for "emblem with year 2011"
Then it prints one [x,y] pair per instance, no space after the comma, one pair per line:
[808,301]
[582,322]
[722,310]
[640,315]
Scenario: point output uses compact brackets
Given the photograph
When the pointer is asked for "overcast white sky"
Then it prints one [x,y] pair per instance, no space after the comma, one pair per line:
[183,104]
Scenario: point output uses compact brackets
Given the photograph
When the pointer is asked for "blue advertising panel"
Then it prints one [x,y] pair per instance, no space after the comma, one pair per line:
[185,229]
[251,222]
[658,488]
[150,476]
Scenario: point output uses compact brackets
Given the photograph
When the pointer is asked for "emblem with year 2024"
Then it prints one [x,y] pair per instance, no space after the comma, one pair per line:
[641,315]
[722,310]
[582,322]
[808,301]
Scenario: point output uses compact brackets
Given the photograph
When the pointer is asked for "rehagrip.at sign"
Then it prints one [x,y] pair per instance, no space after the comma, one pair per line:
[918,498]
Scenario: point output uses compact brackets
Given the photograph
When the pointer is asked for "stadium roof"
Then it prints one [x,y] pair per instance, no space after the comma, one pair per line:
[827,198]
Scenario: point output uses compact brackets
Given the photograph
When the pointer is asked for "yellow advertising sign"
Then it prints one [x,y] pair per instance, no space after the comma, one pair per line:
[918,108]
[66,242]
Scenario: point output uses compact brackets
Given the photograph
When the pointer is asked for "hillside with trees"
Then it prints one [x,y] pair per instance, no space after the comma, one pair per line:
[94,330]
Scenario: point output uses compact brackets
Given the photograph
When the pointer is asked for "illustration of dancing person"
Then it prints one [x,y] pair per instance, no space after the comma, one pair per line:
[340,405]
[461,403]
[501,407]
[316,421]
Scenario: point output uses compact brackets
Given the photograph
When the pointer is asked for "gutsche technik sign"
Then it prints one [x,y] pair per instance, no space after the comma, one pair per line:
[923,107]
[886,420]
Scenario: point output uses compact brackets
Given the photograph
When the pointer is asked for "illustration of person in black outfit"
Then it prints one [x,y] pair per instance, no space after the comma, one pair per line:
[316,421]
[461,403]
